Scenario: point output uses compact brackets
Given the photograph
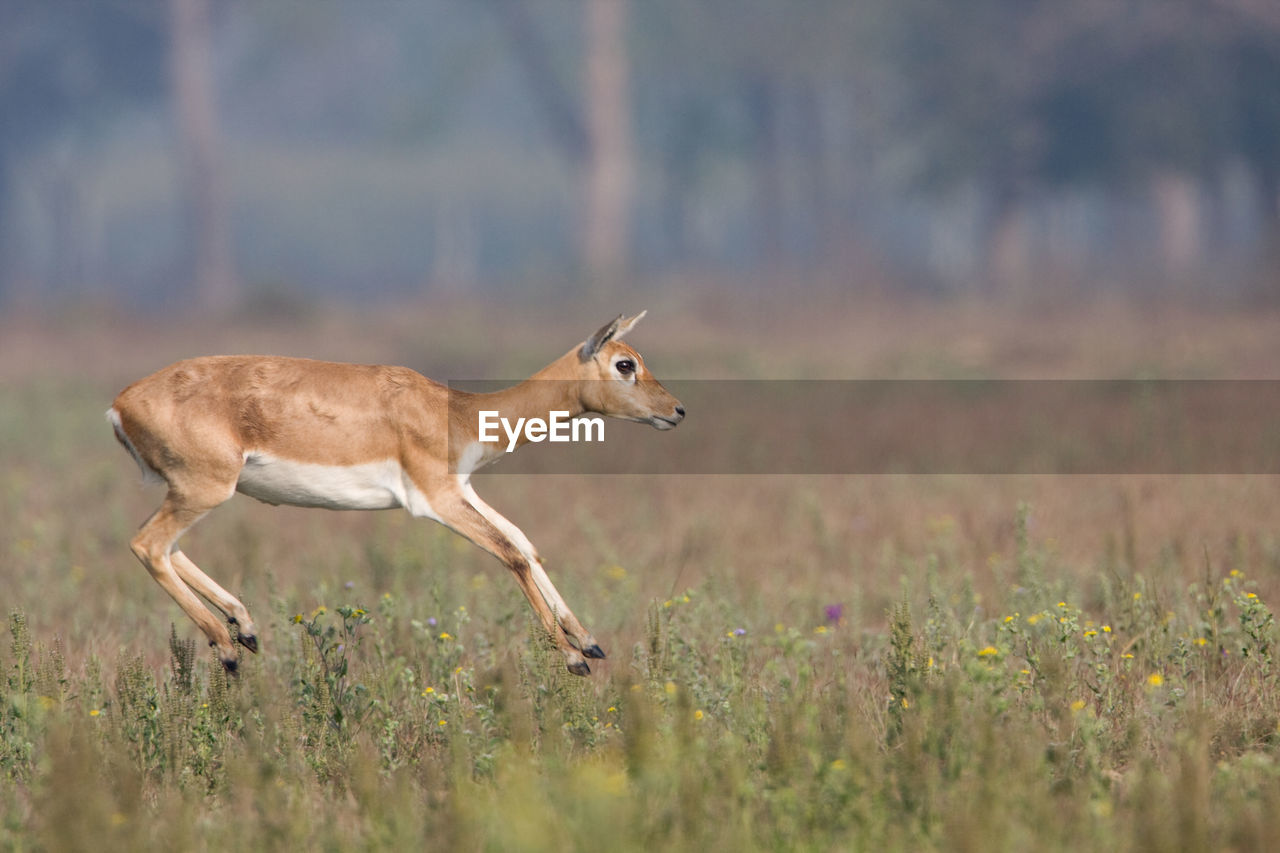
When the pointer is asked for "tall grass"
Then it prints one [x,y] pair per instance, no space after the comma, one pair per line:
[1150,723]
[825,663]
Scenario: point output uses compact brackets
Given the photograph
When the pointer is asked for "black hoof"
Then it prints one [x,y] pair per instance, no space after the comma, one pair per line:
[580,668]
[231,666]
[249,641]
[594,651]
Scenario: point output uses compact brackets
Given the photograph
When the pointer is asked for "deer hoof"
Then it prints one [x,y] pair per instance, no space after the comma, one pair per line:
[249,641]
[580,668]
[228,658]
[594,651]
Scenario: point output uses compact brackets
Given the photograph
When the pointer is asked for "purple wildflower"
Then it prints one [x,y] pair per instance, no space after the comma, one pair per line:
[835,612]
[738,632]
[431,620]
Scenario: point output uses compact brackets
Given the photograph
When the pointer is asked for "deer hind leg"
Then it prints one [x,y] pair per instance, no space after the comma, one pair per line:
[237,614]
[576,632]
[153,546]
[462,517]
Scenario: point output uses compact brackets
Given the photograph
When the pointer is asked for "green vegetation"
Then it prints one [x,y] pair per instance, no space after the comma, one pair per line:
[1148,723]
[823,663]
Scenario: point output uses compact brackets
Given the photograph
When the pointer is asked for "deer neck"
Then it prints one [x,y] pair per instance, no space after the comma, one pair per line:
[554,388]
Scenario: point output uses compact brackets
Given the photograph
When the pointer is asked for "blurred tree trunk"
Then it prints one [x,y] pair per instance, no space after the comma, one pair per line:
[813,137]
[1179,216]
[1008,256]
[1267,181]
[610,169]
[762,106]
[11,291]
[1267,178]
[455,249]
[208,216]
[595,137]
[675,206]
[64,191]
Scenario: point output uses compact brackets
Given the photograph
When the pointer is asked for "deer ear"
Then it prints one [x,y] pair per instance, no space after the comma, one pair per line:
[602,336]
[627,325]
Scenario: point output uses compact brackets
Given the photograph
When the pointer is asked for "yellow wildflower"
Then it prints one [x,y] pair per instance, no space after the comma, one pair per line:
[1077,705]
[1155,679]
[988,652]
[697,715]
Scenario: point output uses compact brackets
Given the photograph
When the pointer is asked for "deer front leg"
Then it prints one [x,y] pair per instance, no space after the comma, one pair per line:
[577,633]
[461,516]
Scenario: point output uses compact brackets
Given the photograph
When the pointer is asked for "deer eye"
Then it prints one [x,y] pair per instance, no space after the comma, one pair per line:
[625,366]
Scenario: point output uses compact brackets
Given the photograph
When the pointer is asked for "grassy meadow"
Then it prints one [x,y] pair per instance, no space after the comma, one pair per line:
[825,663]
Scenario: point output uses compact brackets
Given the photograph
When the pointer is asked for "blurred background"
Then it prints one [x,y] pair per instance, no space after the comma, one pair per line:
[816,189]
[227,155]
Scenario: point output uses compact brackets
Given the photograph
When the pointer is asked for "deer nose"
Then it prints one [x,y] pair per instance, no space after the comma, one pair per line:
[680,411]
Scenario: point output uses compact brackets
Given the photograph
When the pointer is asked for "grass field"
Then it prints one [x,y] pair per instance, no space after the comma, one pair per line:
[927,662]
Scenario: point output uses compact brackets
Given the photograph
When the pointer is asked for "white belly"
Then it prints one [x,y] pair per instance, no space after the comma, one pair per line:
[371,485]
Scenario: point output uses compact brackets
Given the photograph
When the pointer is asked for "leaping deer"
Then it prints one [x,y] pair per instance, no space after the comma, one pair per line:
[347,436]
